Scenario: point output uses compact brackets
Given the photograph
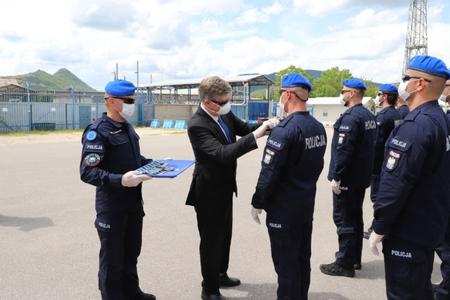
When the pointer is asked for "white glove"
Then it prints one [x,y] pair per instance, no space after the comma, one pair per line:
[273,122]
[261,130]
[374,240]
[133,178]
[255,212]
[336,186]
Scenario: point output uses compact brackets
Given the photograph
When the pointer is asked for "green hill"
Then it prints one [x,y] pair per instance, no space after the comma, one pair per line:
[62,80]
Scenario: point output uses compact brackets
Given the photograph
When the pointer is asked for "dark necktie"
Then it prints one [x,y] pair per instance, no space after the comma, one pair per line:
[225,129]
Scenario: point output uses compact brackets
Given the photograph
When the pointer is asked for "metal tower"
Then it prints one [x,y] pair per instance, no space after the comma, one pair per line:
[417,36]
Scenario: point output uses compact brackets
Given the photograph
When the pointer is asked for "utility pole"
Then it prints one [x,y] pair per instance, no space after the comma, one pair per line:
[137,74]
[417,36]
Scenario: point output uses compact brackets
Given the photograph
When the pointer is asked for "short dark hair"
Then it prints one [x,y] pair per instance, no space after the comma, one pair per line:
[392,98]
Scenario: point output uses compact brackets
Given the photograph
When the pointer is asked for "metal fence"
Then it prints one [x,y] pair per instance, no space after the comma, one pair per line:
[22,111]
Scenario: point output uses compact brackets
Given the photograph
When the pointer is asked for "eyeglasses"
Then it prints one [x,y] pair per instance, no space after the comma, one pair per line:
[126,100]
[345,91]
[407,78]
[219,103]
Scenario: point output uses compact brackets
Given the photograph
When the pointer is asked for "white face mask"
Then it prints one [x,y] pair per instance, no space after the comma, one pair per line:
[443,99]
[127,110]
[402,90]
[225,109]
[341,100]
[281,113]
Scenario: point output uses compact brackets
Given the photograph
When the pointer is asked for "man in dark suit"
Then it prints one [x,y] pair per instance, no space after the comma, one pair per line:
[212,132]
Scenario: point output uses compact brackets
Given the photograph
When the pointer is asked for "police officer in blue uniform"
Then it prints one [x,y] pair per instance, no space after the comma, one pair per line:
[386,119]
[442,291]
[413,201]
[109,159]
[352,155]
[286,188]
[402,107]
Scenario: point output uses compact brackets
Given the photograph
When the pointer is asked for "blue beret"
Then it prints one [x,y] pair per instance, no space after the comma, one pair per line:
[354,84]
[388,88]
[429,64]
[295,80]
[120,88]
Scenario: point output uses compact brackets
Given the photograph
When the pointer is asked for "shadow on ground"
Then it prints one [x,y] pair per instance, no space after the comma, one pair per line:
[25,224]
[371,269]
[267,291]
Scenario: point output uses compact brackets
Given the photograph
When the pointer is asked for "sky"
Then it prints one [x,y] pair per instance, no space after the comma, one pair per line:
[192,39]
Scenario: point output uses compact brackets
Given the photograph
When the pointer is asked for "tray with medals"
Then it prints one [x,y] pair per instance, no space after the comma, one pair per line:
[165,168]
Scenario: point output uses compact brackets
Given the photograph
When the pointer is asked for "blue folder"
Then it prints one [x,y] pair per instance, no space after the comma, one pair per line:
[166,168]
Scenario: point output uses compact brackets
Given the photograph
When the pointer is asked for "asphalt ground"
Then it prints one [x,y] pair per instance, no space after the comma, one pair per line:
[49,246]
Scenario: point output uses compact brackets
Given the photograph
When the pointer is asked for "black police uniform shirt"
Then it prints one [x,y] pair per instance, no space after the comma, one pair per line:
[403,110]
[386,119]
[414,197]
[110,149]
[353,147]
[292,162]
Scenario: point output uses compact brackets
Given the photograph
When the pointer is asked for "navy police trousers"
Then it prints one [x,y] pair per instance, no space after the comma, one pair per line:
[408,270]
[120,235]
[348,218]
[291,254]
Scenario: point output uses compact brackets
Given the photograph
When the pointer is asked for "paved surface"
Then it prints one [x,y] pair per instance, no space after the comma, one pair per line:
[49,246]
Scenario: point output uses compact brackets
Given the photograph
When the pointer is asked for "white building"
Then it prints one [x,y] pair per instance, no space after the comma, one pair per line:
[328,109]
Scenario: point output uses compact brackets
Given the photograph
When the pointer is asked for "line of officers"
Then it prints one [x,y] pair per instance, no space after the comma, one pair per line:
[402,153]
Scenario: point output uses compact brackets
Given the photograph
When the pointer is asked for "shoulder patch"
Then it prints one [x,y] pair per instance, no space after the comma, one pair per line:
[91,135]
[399,144]
[92,160]
[392,160]
[275,144]
[345,128]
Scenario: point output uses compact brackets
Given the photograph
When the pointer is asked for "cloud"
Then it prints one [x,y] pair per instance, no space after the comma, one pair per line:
[193,39]
[103,15]
[324,7]
[260,15]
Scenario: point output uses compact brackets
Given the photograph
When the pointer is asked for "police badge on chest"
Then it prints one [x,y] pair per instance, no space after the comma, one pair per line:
[392,160]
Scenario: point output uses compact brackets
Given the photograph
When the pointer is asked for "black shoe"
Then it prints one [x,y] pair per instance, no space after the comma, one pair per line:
[367,233]
[357,266]
[144,296]
[225,281]
[207,296]
[334,269]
